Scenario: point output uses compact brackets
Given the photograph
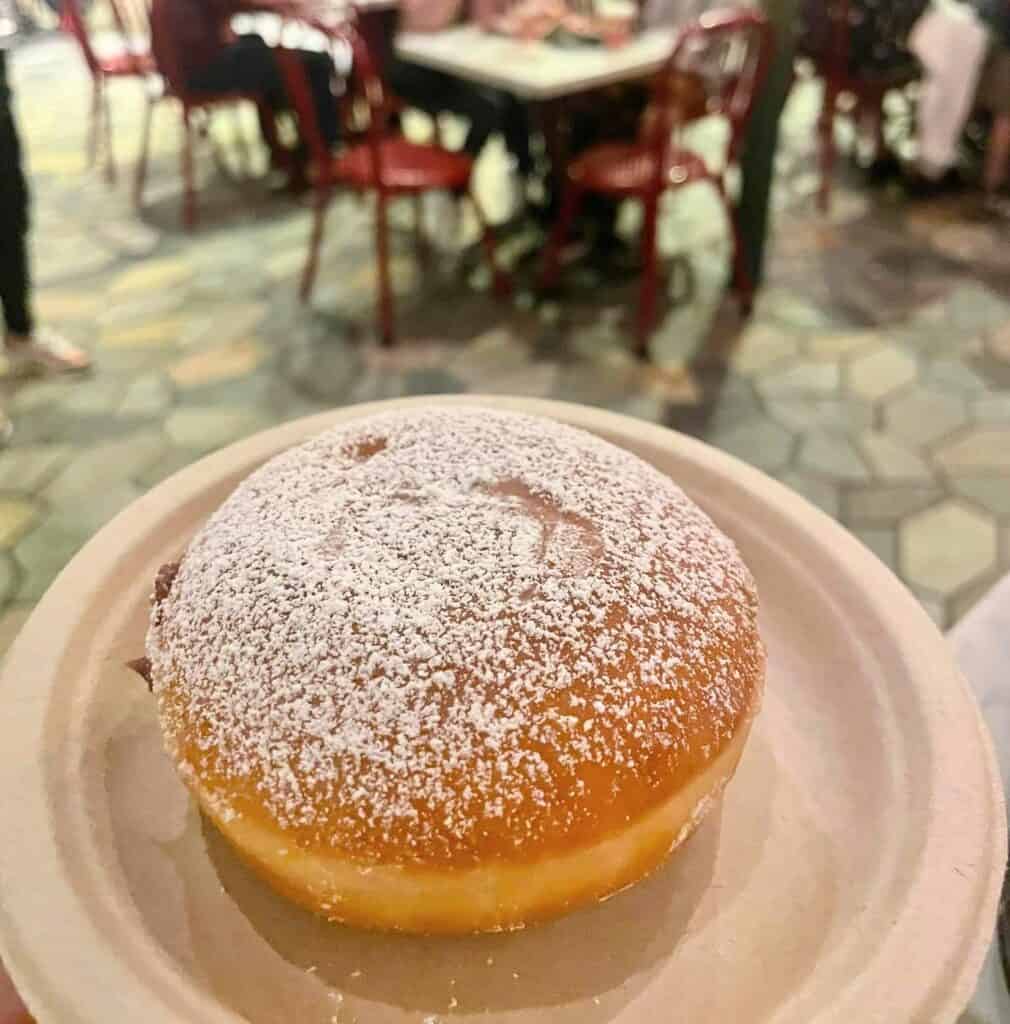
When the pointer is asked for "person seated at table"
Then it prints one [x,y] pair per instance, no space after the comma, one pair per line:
[488,111]
[876,47]
[877,34]
[194,46]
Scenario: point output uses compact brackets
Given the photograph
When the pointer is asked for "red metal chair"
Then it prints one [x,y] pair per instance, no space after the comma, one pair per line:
[130,57]
[728,51]
[385,163]
[830,57]
[194,105]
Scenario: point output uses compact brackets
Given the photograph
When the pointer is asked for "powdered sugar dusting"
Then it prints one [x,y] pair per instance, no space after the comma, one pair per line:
[452,634]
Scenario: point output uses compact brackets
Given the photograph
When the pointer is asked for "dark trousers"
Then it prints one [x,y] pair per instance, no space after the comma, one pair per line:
[249,66]
[757,163]
[14,283]
[486,110]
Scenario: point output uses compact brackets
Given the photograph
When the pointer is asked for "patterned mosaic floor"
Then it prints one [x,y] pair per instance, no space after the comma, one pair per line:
[874,377]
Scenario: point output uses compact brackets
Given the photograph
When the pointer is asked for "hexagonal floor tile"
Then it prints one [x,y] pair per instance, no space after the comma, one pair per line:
[27,467]
[883,542]
[801,413]
[924,417]
[148,396]
[44,552]
[151,276]
[948,546]
[991,492]
[832,456]
[203,428]
[760,442]
[216,364]
[982,448]
[760,347]
[801,376]
[822,493]
[882,372]
[105,467]
[833,347]
[873,505]
[16,516]
[893,461]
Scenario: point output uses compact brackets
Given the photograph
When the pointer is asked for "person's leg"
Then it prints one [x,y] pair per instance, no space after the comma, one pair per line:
[23,343]
[246,66]
[319,71]
[484,111]
[250,66]
[14,284]
[515,127]
[424,88]
[758,161]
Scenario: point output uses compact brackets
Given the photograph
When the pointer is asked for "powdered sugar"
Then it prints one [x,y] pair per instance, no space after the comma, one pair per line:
[422,635]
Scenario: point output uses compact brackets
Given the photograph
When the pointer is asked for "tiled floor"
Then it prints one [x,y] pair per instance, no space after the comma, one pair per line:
[874,377]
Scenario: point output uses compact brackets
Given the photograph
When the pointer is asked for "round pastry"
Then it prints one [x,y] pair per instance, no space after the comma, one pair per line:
[452,669]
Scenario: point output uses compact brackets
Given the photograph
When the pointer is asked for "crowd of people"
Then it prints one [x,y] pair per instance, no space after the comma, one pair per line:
[959,48]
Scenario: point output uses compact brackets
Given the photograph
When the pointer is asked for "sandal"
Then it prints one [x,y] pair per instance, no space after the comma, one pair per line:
[46,352]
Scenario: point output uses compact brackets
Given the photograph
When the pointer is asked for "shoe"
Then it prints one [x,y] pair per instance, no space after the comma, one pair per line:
[45,351]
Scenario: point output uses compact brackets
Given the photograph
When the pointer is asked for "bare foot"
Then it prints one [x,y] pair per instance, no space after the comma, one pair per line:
[45,350]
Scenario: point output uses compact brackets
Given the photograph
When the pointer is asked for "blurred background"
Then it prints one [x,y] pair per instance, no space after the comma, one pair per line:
[866,363]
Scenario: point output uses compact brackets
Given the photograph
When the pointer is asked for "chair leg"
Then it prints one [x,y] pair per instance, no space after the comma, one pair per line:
[188,172]
[110,156]
[385,297]
[826,137]
[140,176]
[94,128]
[562,227]
[320,209]
[650,276]
[502,280]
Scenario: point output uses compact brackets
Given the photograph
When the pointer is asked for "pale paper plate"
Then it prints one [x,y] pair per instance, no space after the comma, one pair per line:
[851,874]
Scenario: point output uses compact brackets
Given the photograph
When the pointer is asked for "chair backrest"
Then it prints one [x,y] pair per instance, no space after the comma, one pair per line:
[72,21]
[365,84]
[824,34]
[718,66]
[130,26]
[133,21]
[164,48]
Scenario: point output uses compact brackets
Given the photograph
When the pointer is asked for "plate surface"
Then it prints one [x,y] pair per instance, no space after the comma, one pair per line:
[850,874]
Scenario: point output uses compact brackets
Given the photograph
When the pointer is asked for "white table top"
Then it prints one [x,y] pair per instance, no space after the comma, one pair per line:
[534,71]
[982,646]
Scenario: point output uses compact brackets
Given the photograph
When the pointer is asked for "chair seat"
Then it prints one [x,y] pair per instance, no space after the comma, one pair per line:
[630,169]
[406,167]
[122,65]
